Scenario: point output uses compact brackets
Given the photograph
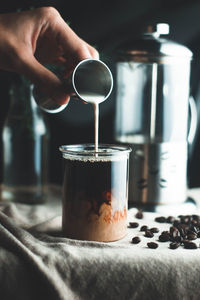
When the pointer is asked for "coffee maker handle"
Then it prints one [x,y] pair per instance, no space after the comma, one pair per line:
[193,121]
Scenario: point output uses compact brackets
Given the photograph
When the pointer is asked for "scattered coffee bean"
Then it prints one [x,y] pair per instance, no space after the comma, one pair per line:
[194,222]
[185,241]
[174,234]
[180,216]
[190,231]
[181,229]
[136,240]
[170,219]
[139,214]
[144,228]
[177,239]
[164,237]
[154,229]
[194,229]
[165,232]
[190,245]
[198,234]
[192,236]
[133,224]
[174,245]
[152,245]
[160,219]
[173,230]
[185,219]
[149,234]
[196,218]
[176,223]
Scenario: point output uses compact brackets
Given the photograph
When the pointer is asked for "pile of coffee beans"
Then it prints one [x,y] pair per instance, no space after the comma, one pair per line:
[182,232]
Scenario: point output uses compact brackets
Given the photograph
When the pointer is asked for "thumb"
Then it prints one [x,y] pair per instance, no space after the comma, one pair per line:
[44,80]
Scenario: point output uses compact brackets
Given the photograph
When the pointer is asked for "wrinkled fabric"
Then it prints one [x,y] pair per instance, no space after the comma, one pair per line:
[37,262]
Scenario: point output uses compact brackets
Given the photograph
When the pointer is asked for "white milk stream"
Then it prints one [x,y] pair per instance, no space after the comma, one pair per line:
[95,100]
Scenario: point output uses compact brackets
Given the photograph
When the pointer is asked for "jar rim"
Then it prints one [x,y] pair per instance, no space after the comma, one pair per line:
[88,150]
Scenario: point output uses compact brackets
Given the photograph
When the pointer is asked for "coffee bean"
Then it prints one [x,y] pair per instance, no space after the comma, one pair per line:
[170,219]
[139,214]
[190,231]
[186,226]
[174,245]
[165,232]
[174,234]
[192,236]
[185,219]
[176,223]
[184,241]
[173,230]
[198,234]
[164,237]
[144,228]
[154,229]
[160,219]
[180,216]
[152,245]
[194,222]
[181,229]
[148,234]
[195,229]
[136,240]
[177,239]
[190,245]
[196,218]
[133,224]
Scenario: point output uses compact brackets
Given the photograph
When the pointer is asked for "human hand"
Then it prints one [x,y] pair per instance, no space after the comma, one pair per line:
[31,39]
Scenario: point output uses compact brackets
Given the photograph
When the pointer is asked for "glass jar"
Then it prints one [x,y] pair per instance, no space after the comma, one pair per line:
[95,192]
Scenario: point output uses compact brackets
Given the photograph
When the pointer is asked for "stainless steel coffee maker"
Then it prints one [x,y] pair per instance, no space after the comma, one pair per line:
[152,101]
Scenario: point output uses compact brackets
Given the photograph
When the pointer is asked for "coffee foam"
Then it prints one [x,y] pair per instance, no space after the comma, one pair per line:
[94,159]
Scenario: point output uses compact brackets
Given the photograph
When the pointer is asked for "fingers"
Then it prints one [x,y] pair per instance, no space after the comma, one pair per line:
[46,81]
[93,52]
[75,48]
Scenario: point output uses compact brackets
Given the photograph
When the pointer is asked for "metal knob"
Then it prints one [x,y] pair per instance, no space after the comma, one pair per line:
[158,29]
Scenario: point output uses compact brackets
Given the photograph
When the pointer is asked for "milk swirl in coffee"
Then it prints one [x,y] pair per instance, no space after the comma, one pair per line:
[95,198]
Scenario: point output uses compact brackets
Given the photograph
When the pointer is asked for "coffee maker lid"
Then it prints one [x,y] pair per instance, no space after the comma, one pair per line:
[150,47]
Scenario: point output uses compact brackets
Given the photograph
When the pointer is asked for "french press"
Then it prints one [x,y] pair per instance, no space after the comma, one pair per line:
[152,100]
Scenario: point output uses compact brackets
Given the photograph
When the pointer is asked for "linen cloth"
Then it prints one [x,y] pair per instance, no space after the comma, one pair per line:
[37,262]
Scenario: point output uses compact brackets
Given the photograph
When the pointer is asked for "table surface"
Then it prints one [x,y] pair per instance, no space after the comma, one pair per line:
[37,262]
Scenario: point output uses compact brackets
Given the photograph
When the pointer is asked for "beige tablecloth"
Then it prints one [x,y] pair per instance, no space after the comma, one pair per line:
[36,262]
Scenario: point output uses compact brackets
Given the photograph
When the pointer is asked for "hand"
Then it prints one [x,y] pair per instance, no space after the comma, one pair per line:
[30,39]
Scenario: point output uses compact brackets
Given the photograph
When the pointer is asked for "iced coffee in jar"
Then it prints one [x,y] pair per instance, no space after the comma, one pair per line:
[95,192]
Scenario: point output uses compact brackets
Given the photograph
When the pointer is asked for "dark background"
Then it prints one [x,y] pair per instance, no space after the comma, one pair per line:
[104,24]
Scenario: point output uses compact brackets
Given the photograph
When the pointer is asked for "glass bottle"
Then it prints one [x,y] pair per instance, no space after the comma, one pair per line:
[25,147]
